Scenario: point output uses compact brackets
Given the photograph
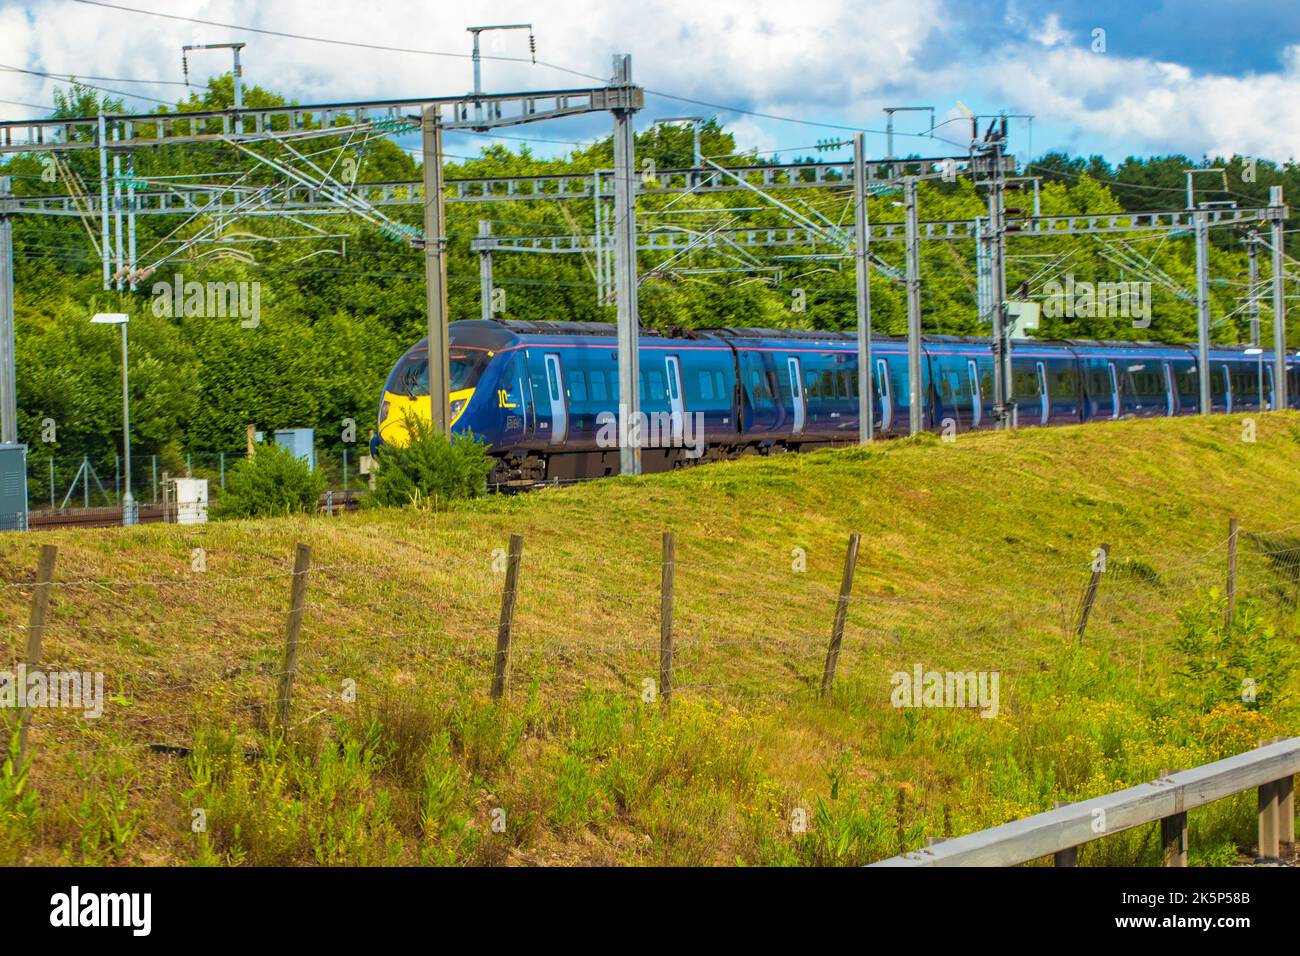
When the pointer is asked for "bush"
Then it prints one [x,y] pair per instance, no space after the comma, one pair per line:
[1247,661]
[431,469]
[273,482]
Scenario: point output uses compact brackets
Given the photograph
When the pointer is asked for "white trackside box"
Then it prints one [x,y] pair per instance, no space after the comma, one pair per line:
[191,500]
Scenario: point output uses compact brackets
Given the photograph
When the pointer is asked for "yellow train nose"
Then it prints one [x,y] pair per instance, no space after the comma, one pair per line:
[394,409]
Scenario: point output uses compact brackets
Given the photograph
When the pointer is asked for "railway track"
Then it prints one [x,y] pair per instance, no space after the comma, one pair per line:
[111,517]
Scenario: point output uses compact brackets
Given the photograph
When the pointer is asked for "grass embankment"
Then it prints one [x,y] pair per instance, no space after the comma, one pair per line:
[974,557]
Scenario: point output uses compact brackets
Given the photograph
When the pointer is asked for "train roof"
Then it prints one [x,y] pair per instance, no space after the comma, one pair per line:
[503,329]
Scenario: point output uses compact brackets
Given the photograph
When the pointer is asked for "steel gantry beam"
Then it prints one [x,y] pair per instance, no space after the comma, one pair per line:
[471,111]
[238,127]
[165,199]
[940,230]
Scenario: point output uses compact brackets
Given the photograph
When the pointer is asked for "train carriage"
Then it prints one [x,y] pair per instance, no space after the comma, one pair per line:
[545,395]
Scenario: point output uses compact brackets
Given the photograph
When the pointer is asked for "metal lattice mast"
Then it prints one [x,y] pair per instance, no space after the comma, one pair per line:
[435,273]
[485,272]
[862,277]
[1278,213]
[913,247]
[8,361]
[1202,232]
[625,274]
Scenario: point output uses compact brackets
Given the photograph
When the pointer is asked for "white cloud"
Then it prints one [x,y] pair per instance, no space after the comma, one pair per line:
[1164,107]
[1050,33]
[834,61]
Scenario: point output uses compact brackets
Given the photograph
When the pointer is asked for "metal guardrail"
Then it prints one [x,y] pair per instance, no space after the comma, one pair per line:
[1270,768]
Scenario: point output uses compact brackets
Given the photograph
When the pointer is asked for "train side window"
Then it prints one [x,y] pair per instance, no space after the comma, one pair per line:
[784,388]
[1064,387]
[655,381]
[706,386]
[578,385]
[513,384]
[541,387]
[552,382]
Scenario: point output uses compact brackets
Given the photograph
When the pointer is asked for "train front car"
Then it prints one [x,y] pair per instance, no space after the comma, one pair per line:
[474,353]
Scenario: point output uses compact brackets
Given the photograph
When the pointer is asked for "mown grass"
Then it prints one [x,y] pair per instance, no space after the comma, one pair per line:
[974,557]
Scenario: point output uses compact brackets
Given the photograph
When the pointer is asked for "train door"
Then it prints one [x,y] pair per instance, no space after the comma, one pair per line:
[1227,388]
[797,395]
[885,393]
[1044,403]
[1169,390]
[976,399]
[1114,390]
[514,397]
[555,393]
[1272,389]
[676,401]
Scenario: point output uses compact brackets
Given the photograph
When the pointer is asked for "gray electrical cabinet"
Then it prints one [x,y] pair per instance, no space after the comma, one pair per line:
[13,487]
[300,441]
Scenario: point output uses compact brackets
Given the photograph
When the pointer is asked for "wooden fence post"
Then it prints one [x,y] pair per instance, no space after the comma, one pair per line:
[1268,841]
[841,612]
[1098,567]
[666,622]
[297,601]
[1284,791]
[1173,837]
[1068,856]
[35,636]
[1173,834]
[501,666]
[1232,572]
[1286,812]
[1268,801]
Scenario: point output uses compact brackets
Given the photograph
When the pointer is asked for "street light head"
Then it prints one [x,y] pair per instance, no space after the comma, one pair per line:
[110,318]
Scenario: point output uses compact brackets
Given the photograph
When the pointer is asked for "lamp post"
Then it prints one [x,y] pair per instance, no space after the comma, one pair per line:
[128,502]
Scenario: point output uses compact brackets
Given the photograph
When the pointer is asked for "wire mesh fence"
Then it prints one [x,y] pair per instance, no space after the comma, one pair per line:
[208,629]
[65,482]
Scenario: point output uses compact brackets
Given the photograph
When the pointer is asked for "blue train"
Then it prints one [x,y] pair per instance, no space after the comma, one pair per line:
[544,395]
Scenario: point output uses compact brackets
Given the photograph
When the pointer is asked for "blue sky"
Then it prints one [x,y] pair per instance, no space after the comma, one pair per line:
[1195,77]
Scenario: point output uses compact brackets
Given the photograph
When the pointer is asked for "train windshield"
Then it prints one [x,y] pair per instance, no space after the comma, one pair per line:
[410,377]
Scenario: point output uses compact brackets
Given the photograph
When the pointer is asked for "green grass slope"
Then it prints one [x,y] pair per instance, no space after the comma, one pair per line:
[974,557]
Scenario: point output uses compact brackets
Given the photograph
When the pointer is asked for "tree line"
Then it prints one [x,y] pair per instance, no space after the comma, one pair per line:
[338,309]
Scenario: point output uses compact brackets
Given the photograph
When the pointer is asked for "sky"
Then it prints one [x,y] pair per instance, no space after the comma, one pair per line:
[1197,77]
